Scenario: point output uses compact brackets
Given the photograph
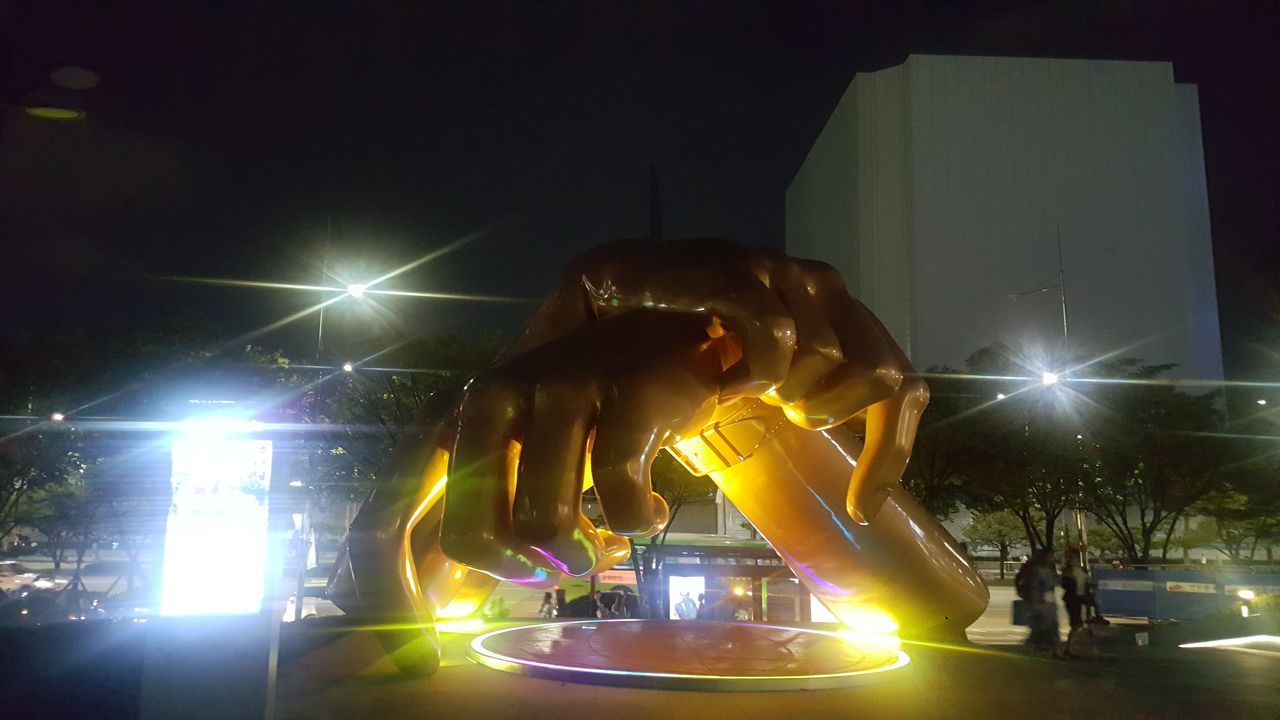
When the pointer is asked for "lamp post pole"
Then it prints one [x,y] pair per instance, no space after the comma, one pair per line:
[1080,521]
[1062,299]
[324,279]
[1082,525]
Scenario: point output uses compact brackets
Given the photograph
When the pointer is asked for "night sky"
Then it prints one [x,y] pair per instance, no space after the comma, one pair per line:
[226,139]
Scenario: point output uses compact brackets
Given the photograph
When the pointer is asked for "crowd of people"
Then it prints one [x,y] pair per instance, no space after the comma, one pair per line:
[623,602]
[618,602]
[1037,583]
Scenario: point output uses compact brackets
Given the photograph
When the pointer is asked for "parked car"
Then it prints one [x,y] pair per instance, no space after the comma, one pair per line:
[15,576]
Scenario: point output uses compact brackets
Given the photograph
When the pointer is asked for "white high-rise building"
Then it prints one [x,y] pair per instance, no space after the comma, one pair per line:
[942,186]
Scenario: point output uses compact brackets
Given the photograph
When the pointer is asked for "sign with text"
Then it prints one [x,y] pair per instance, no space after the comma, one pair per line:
[1190,587]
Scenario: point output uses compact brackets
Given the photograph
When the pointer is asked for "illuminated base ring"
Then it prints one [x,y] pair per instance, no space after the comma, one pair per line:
[686,655]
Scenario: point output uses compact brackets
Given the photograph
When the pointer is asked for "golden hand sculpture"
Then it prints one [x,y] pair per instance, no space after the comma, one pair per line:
[742,363]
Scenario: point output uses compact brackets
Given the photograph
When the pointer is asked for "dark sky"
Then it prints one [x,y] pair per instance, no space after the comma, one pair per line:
[225,136]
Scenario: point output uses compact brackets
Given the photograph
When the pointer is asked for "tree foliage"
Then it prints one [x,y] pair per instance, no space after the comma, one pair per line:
[999,530]
[1023,450]
[944,445]
[1136,451]
[1151,455]
[677,486]
[1244,514]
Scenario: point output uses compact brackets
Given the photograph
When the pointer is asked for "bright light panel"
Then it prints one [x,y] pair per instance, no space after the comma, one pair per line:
[215,546]
[819,612]
[679,586]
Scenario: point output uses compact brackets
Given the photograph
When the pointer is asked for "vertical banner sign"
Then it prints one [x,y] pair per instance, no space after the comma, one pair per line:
[216,542]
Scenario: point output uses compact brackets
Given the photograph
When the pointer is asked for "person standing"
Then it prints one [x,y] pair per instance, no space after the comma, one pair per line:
[1077,595]
[686,609]
[548,608]
[1037,582]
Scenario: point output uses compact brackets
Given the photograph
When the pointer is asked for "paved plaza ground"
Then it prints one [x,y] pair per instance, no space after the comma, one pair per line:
[346,677]
[349,679]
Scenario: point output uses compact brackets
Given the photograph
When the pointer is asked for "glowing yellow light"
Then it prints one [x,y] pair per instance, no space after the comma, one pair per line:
[490,658]
[356,290]
[461,608]
[1232,642]
[739,591]
[457,574]
[60,114]
[867,622]
[409,575]
[471,625]
[1246,594]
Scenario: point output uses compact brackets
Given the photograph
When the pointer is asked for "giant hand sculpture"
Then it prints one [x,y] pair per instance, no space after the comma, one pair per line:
[750,366]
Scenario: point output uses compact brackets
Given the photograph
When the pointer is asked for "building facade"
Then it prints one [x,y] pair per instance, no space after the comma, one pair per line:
[944,186]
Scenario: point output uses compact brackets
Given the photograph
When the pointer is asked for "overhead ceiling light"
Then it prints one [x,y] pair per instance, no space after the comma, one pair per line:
[75,78]
[59,114]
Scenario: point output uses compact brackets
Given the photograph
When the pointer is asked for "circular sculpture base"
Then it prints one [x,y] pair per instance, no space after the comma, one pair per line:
[685,655]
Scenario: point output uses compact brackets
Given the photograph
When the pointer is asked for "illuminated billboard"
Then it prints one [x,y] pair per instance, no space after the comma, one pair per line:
[216,541]
[683,596]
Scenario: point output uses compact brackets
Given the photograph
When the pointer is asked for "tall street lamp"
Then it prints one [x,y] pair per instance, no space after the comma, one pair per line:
[1048,378]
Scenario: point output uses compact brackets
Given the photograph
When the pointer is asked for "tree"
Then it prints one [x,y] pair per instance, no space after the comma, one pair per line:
[1104,543]
[1000,530]
[31,460]
[1153,455]
[102,373]
[677,486]
[1024,454]
[65,514]
[1201,535]
[361,415]
[943,444]
[1245,514]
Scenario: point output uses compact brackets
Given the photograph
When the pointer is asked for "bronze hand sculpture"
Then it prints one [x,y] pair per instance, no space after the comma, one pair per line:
[755,368]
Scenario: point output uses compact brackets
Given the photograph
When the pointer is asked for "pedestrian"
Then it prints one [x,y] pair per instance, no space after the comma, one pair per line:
[548,607]
[1037,584]
[686,609]
[605,609]
[1075,593]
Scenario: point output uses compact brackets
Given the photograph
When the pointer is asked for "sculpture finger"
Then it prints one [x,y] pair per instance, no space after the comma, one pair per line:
[477,528]
[891,432]
[818,350]
[548,493]
[874,365]
[842,394]
[768,339]
[635,422]
[719,279]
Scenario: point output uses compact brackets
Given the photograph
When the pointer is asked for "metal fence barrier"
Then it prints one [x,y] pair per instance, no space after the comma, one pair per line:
[1161,593]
